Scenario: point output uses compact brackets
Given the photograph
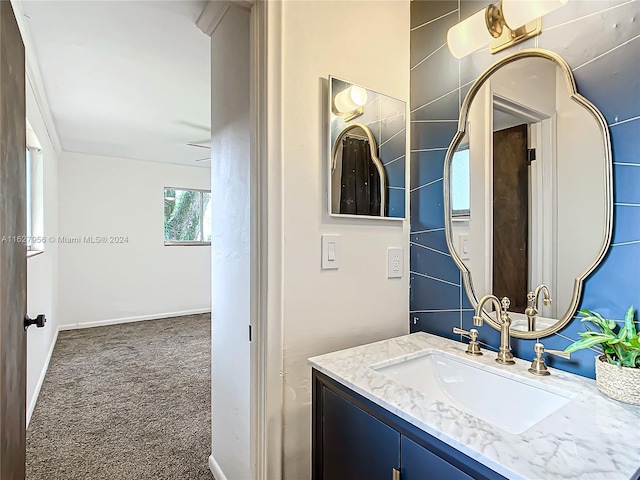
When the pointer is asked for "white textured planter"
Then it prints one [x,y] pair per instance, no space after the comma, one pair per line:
[619,383]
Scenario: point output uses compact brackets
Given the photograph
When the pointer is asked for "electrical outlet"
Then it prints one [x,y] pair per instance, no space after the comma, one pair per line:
[395,262]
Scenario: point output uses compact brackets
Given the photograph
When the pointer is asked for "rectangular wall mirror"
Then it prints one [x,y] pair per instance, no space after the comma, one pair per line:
[367,152]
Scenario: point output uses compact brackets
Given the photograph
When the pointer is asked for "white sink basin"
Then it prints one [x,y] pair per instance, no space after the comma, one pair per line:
[511,404]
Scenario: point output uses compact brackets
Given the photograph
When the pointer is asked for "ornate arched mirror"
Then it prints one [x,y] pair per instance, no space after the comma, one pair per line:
[528,190]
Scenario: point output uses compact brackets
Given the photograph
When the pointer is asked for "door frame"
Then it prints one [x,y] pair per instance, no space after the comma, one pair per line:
[267,242]
[543,173]
[266,359]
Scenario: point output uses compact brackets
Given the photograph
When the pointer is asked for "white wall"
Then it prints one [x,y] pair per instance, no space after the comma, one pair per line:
[42,269]
[142,278]
[325,310]
[231,293]
[580,204]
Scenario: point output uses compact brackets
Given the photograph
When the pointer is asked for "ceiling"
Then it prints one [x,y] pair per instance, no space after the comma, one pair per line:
[125,79]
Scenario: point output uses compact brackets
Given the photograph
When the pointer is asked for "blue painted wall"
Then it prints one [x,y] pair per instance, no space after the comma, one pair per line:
[601,42]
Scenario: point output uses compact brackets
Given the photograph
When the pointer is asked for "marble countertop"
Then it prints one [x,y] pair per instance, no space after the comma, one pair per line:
[591,438]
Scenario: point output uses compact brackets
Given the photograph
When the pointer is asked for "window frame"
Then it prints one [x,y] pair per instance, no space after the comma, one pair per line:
[29,197]
[34,185]
[188,243]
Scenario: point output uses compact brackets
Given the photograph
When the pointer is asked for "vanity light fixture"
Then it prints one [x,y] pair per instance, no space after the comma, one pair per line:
[502,25]
[350,102]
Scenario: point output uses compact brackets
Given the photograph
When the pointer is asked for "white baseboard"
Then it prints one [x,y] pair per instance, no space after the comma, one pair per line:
[218,474]
[43,374]
[114,321]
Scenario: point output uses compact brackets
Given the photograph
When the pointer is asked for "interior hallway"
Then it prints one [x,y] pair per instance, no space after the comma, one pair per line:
[128,401]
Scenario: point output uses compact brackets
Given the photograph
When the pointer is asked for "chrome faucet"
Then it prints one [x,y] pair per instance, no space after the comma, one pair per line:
[533,300]
[505,356]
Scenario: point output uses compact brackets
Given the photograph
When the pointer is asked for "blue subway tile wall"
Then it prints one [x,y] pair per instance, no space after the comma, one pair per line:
[601,42]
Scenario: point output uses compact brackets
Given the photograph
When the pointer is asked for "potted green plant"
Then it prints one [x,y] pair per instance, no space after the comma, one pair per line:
[618,368]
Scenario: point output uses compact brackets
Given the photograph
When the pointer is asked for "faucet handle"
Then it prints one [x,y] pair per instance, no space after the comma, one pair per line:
[472,333]
[539,348]
[538,367]
[531,304]
[506,303]
[531,298]
[559,353]
[474,347]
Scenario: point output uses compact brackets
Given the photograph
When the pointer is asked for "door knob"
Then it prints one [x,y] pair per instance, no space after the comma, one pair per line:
[39,321]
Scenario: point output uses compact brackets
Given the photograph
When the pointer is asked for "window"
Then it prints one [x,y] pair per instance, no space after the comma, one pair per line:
[35,194]
[460,186]
[187,217]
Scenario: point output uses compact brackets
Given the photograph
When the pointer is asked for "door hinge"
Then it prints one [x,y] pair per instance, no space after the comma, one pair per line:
[250,333]
[396,474]
[531,155]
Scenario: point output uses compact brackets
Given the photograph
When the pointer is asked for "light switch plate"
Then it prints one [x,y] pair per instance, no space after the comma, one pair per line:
[395,262]
[463,243]
[330,252]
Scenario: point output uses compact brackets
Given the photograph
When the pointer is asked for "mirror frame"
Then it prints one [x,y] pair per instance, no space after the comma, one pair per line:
[462,124]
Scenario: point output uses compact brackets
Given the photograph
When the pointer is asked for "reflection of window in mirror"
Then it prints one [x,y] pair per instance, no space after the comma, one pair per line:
[460,186]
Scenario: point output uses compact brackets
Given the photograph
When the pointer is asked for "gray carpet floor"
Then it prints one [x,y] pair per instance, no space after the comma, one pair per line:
[129,401]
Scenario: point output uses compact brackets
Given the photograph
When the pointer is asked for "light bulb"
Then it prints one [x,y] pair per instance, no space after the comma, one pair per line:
[469,35]
[350,99]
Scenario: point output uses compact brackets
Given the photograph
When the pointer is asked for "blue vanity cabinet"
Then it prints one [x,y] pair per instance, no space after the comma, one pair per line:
[418,463]
[356,445]
[355,439]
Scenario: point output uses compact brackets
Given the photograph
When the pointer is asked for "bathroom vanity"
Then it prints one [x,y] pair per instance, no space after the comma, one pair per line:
[418,407]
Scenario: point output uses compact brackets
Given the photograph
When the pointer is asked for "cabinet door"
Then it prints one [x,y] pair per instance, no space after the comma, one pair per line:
[355,445]
[418,463]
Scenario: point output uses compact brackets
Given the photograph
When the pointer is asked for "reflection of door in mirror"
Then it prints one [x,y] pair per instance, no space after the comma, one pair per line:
[516,228]
[511,216]
[511,233]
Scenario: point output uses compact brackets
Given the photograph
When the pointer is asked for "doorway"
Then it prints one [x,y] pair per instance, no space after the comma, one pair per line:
[520,220]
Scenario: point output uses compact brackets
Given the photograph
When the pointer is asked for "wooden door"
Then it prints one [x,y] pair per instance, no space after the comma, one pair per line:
[511,216]
[13,255]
